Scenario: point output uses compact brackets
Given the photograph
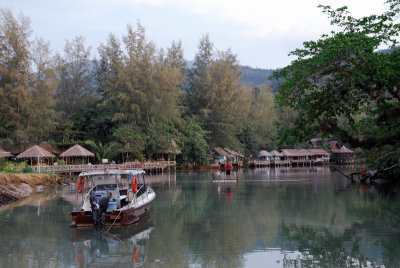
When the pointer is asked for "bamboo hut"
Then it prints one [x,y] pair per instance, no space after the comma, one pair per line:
[35,152]
[320,155]
[276,157]
[50,148]
[76,151]
[236,154]
[5,154]
[264,155]
[343,156]
[172,150]
[220,155]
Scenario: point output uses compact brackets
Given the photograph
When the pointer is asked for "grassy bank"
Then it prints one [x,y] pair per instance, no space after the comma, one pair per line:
[14,187]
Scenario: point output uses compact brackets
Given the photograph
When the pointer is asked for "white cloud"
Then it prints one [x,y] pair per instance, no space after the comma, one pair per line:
[260,18]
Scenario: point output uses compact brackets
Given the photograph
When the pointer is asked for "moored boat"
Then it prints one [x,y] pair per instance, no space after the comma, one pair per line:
[221,176]
[115,197]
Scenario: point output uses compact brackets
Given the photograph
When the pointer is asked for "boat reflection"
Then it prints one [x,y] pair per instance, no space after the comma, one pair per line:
[100,247]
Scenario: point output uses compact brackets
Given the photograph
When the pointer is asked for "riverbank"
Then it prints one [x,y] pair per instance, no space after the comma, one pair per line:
[15,187]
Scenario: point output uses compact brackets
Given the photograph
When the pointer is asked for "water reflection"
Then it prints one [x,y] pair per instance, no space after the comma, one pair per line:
[120,246]
[304,217]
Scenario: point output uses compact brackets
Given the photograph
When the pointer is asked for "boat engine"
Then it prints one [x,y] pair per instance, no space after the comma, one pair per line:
[99,202]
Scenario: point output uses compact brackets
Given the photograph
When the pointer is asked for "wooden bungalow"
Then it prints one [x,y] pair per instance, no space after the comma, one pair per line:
[294,156]
[319,156]
[264,156]
[335,146]
[277,158]
[343,156]
[220,155]
[238,156]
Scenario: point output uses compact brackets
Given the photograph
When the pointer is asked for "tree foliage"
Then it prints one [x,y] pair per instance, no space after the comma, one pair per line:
[341,85]
[131,101]
[27,82]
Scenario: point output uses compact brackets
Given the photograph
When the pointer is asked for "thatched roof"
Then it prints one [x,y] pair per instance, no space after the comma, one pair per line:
[294,152]
[34,152]
[343,150]
[50,148]
[5,153]
[222,152]
[264,153]
[174,149]
[319,152]
[276,153]
[233,152]
[76,150]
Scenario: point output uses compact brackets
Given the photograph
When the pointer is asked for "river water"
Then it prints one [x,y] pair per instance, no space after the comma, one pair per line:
[283,217]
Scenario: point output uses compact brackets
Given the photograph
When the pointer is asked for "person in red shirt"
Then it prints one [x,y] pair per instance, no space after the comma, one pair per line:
[228,168]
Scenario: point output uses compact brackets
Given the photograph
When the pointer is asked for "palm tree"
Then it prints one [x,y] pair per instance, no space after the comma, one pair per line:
[104,151]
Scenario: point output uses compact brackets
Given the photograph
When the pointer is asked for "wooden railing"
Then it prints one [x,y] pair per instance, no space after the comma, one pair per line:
[80,168]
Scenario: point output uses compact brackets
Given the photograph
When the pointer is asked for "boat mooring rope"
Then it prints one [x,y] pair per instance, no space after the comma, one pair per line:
[114,221]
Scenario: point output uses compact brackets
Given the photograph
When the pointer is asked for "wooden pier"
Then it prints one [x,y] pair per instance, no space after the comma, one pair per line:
[285,163]
[149,167]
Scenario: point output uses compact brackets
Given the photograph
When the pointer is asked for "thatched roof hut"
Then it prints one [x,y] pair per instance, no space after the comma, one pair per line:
[77,151]
[35,152]
[319,152]
[50,148]
[264,153]
[343,150]
[222,152]
[344,155]
[234,152]
[276,153]
[4,154]
[173,149]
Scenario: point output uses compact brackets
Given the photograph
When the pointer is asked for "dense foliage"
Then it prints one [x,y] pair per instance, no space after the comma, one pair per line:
[342,86]
[131,100]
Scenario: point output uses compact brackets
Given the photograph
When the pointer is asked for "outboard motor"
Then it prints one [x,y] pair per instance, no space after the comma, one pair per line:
[99,203]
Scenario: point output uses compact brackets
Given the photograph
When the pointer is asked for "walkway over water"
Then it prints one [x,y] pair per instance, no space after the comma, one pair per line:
[147,166]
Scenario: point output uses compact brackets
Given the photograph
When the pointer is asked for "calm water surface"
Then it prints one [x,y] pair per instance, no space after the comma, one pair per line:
[289,217]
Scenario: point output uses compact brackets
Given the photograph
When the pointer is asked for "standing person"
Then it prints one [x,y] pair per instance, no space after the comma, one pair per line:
[228,168]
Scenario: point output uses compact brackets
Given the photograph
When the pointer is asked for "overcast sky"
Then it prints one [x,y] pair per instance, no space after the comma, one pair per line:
[260,32]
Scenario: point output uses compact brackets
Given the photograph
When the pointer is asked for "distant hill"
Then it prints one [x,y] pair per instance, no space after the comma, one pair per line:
[257,76]
[253,76]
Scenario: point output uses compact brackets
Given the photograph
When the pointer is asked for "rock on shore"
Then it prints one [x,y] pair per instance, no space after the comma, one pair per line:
[14,187]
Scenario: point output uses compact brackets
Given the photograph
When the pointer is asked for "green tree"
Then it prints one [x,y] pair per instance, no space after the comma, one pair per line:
[104,151]
[260,126]
[27,82]
[200,79]
[341,85]
[75,77]
[192,140]
[228,101]
[132,139]
[15,69]
[158,138]
[42,115]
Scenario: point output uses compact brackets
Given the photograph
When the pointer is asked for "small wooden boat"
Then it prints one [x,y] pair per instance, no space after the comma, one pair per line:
[116,197]
[220,176]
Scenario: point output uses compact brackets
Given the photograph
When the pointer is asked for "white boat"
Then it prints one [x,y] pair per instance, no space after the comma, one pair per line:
[115,197]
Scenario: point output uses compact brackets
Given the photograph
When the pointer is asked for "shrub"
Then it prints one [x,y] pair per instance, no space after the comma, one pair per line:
[28,169]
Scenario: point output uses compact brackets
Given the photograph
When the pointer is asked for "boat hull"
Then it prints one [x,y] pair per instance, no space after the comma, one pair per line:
[115,218]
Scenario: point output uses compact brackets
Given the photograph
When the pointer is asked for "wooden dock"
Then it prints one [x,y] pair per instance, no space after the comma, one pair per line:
[149,167]
[286,163]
